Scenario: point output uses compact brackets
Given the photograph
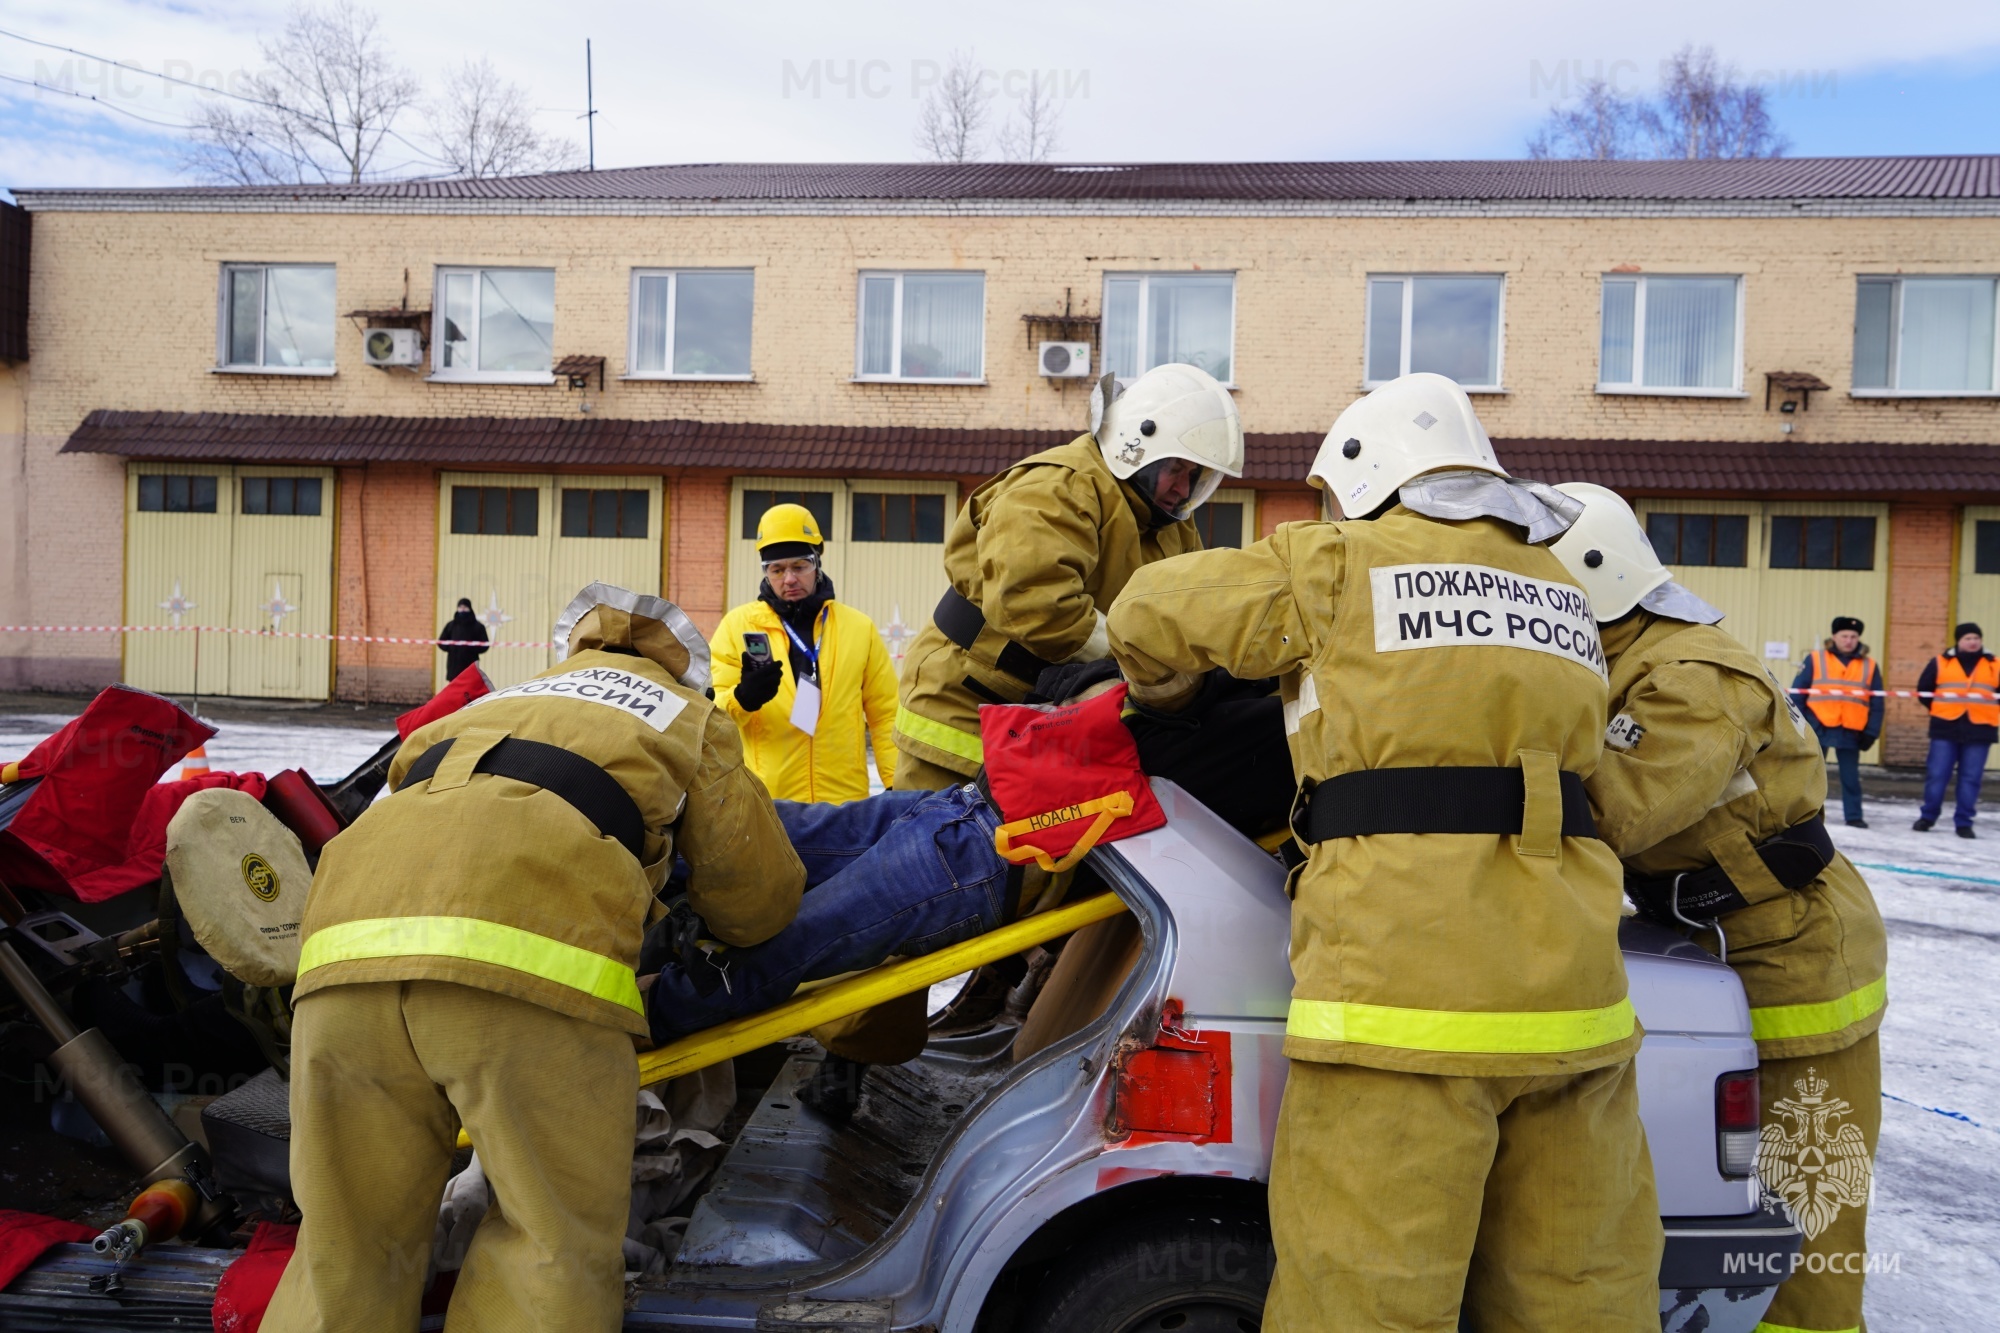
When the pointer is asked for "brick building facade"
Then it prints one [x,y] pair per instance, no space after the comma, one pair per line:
[1739,287]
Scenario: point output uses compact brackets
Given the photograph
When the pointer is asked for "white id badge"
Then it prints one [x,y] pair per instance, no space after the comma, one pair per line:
[805,707]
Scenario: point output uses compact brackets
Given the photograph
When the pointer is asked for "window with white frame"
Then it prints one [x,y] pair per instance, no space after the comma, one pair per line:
[1151,319]
[1444,323]
[1925,336]
[691,323]
[276,317]
[1671,335]
[495,324]
[921,326]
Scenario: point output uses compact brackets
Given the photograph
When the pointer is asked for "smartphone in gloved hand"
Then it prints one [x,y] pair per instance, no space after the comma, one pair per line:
[757,647]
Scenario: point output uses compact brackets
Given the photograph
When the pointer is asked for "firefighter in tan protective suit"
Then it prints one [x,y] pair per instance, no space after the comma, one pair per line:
[1461,1121]
[1712,791]
[1037,554]
[1035,557]
[469,947]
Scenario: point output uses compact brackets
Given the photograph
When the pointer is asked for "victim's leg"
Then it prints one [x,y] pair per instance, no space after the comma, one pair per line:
[930,880]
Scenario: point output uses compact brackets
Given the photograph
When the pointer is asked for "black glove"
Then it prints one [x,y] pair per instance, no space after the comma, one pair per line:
[759,684]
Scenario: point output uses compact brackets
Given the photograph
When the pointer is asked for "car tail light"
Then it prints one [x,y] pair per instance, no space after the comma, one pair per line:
[1736,1114]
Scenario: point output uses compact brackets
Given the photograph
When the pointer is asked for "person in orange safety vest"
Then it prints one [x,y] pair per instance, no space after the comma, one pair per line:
[1841,687]
[1962,689]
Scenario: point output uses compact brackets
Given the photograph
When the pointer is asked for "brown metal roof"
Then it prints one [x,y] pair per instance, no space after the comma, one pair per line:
[1959,472]
[1794,470]
[1957,177]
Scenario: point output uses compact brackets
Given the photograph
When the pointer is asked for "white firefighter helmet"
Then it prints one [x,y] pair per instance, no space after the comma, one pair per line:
[1171,411]
[1607,552]
[1412,425]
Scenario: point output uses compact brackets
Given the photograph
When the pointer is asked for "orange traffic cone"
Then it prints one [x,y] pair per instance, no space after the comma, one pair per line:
[196,763]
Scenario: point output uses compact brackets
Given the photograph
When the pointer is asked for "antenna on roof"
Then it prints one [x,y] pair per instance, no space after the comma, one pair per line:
[590,104]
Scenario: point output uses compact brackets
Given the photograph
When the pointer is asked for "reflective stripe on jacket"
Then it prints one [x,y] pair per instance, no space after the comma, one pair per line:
[857,684]
[1407,642]
[1840,694]
[1711,758]
[1976,696]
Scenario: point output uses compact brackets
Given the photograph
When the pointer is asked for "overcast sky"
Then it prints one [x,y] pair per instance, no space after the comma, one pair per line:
[779,81]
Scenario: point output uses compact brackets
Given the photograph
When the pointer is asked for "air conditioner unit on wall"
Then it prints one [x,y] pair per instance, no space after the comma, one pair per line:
[1065,361]
[392,347]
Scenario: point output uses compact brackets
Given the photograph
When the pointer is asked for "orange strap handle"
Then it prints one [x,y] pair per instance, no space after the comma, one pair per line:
[1108,809]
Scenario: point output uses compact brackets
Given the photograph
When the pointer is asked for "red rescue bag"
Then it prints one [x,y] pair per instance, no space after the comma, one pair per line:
[1066,778]
[462,689]
[96,825]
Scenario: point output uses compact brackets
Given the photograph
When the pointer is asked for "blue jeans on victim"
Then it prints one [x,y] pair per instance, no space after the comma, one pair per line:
[901,873]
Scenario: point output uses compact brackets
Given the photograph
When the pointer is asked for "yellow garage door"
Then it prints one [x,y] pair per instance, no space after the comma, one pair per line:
[520,545]
[177,572]
[607,530]
[248,548]
[281,582]
[1978,571]
[1715,547]
[1228,519]
[895,554]
[1780,571]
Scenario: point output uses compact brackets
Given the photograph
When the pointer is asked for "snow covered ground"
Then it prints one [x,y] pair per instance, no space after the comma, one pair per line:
[326,752]
[1937,1176]
[1937,1182]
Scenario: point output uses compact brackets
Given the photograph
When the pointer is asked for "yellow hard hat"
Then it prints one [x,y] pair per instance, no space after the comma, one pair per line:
[785,530]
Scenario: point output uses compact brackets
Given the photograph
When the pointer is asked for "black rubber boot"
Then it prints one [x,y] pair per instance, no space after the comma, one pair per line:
[834,1090]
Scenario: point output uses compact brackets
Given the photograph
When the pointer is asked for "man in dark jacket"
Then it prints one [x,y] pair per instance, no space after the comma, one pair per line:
[1961,687]
[1841,688]
[462,625]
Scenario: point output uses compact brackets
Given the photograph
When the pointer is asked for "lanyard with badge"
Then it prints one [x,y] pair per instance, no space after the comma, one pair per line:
[805,704]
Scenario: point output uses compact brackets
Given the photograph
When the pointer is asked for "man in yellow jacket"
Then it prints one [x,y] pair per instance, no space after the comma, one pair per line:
[1713,793]
[469,954]
[1037,554]
[806,730]
[1460,1124]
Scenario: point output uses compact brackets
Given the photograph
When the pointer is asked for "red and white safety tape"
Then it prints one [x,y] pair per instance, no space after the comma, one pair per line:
[269,634]
[1950,696]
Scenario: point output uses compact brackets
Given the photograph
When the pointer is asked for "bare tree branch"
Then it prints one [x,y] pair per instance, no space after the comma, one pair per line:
[954,113]
[1602,125]
[1703,110]
[483,125]
[1035,131]
[333,95]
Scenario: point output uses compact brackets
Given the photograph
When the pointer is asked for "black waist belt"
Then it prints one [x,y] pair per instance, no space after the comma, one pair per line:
[1795,859]
[594,792]
[961,620]
[1430,800]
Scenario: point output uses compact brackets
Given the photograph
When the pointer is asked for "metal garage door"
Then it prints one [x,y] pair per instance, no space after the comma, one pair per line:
[1780,570]
[520,545]
[1229,518]
[1978,571]
[248,548]
[281,580]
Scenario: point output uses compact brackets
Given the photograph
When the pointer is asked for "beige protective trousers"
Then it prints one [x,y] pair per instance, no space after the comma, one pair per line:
[1395,1196]
[1822,1118]
[383,1074]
